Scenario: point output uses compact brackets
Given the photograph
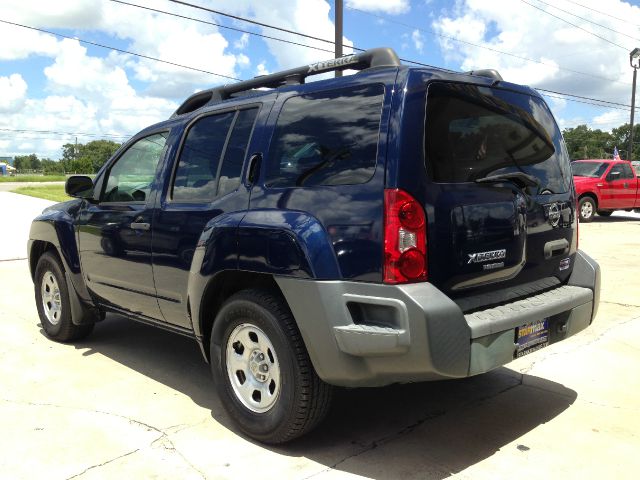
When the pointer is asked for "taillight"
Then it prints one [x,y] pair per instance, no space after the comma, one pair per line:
[405,238]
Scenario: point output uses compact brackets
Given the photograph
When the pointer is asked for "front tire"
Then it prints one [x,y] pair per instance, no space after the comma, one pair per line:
[52,301]
[262,370]
[587,209]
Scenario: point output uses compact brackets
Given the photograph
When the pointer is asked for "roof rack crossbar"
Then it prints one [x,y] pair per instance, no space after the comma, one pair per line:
[375,57]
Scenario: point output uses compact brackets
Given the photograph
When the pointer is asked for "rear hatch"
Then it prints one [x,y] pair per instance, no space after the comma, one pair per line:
[499,197]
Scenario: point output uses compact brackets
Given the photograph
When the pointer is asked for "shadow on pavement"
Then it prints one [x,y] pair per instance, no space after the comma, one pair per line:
[426,430]
[618,218]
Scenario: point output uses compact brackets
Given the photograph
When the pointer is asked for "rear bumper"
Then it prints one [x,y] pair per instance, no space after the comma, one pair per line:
[360,334]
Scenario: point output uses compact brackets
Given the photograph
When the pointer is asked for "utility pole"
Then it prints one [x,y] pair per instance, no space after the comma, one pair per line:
[338,39]
[633,55]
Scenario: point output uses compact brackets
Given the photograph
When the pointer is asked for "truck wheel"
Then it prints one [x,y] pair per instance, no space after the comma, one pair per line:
[605,213]
[262,370]
[587,207]
[52,301]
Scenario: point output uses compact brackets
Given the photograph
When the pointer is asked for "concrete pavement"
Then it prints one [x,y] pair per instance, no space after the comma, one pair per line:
[16,213]
[136,402]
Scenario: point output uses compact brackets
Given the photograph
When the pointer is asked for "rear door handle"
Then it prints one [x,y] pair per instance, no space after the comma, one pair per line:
[140,226]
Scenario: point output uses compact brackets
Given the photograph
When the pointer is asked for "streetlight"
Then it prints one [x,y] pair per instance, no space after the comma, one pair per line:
[633,55]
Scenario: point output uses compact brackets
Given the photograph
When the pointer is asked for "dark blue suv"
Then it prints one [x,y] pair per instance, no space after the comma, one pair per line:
[395,225]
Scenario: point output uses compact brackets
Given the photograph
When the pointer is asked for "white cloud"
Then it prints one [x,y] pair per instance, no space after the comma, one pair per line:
[242,42]
[556,50]
[261,69]
[418,40]
[12,92]
[387,6]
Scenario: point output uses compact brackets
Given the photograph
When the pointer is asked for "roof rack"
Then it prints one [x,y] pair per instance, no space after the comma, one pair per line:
[489,73]
[375,57]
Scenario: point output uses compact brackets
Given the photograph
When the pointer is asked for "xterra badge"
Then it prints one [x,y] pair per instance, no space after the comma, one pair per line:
[486,256]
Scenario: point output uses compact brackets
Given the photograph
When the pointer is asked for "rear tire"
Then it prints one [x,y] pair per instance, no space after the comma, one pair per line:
[262,370]
[605,213]
[52,301]
[587,209]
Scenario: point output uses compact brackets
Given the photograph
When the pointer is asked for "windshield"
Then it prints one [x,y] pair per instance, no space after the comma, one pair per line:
[588,169]
[474,132]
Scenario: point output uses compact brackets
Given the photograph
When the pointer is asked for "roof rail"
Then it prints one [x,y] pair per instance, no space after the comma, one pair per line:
[375,57]
[489,73]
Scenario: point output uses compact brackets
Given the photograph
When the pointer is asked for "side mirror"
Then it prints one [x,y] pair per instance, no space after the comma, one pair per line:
[79,186]
[613,176]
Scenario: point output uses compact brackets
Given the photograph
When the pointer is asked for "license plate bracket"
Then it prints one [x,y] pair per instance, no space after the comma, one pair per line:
[531,337]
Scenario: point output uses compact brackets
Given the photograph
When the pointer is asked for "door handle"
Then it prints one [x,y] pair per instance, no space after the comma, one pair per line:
[626,185]
[140,226]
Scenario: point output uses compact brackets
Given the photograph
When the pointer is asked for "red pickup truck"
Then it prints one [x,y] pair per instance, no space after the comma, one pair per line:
[603,186]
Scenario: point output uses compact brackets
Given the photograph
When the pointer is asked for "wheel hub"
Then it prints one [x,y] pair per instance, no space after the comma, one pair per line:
[258,366]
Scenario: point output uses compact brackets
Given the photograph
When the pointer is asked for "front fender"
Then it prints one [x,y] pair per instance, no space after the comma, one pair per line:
[56,226]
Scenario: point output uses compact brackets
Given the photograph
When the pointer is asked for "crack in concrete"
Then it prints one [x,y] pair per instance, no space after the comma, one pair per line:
[98,465]
[162,432]
[608,405]
[630,305]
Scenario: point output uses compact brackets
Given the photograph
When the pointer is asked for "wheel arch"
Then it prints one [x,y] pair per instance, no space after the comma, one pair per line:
[592,195]
[217,290]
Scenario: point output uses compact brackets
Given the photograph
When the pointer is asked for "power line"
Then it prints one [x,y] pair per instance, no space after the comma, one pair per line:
[587,20]
[582,101]
[495,50]
[234,78]
[602,13]
[361,49]
[576,26]
[219,25]
[584,98]
[281,29]
[95,44]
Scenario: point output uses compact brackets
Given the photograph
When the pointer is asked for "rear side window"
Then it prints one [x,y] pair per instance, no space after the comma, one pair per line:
[212,156]
[326,138]
[627,172]
[474,132]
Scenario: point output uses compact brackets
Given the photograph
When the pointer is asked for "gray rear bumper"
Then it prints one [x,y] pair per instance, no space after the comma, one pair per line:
[361,334]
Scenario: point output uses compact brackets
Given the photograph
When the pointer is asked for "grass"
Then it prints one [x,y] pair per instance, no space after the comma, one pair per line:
[33,178]
[48,192]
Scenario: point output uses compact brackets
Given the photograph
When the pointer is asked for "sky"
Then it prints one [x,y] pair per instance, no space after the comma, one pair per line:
[55,89]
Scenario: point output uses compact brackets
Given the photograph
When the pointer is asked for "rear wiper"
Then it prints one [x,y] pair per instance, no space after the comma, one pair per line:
[519,178]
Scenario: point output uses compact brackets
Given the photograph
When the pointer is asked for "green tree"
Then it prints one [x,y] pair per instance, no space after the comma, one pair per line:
[582,142]
[87,158]
[27,162]
[51,167]
[621,138]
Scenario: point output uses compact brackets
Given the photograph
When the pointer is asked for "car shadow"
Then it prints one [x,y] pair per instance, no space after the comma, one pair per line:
[430,429]
[616,218]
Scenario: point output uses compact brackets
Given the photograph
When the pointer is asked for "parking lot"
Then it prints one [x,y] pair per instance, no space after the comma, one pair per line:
[136,402]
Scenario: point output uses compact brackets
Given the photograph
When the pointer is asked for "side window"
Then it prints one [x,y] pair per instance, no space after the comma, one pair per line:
[131,177]
[195,178]
[212,156]
[236,151]
[615,169]
[627,172]
[326,138]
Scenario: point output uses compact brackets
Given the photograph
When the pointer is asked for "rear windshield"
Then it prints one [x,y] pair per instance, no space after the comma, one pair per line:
[588,169]
[474,132]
